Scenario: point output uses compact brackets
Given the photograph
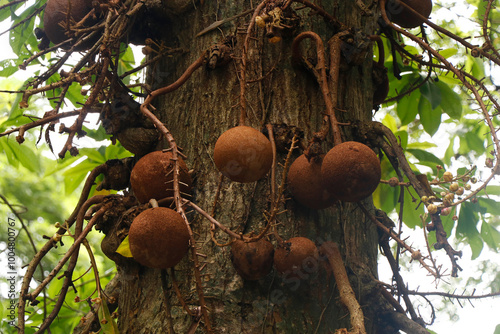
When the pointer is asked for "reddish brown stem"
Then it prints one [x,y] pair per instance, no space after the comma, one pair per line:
[330,98]
[175,156]
[243,68]
[212,220]
[380,46]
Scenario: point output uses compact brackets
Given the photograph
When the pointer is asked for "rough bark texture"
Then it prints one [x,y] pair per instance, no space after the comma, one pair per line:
[200,111]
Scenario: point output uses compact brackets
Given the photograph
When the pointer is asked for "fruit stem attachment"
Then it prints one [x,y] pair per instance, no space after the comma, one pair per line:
[153,203]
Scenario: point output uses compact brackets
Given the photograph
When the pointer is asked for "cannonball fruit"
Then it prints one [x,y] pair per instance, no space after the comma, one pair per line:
[306,185]
[158,238]
[252,260]
[297,255]
[152,177]
[405,18]
[351,171]
[56,18]
[243,154]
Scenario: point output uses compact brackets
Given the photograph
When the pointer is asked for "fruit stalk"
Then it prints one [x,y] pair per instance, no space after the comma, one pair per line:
[243,67]
[330,97]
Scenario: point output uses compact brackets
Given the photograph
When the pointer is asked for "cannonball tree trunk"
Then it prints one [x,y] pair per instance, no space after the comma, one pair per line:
[283,94]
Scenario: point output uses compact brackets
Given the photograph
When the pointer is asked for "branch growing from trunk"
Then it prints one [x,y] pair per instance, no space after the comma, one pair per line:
[347,296]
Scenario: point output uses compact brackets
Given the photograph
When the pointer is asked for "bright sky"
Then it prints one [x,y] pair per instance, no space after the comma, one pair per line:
[482,318]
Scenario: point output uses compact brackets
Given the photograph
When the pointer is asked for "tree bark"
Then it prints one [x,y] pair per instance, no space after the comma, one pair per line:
[280,93]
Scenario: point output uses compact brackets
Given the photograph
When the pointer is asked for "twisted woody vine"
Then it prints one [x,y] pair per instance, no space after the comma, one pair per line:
[152,192]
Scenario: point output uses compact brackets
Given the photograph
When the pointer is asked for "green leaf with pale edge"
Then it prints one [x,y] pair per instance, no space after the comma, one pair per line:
[124,248]
[497,329]
[108,324]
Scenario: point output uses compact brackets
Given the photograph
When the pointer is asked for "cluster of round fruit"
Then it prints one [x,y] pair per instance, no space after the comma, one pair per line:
[348,172]
[448,197]
[158,237]
[254,260]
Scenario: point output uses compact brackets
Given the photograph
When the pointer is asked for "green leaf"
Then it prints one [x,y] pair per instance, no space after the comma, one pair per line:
[432,93]
[61,164]
[407,108]
[430,119]
[390,122]
[23,35]
[446,53]
[98,135]
[466,228]
[5,145]
[17,153]
[126,61]
[470,141]
[490,235]
[474,66]
[425,156]
[94,155]
[490,190]
[402,135]
[491,206]
[412,213]
[116,152]
[124,248]
[450,151]
[74,176]
[27,157]
[422,145]
[451,103]
[476,245]
[74,94]
[8,67]
[108,324]
[497,329]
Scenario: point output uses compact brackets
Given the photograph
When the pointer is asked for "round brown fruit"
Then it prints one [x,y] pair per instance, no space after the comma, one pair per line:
[252,260]
[56,17]
[243,154]
[306,185]
[404,17]
[351,171]
[158,238]
[297,255]
[152,177]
